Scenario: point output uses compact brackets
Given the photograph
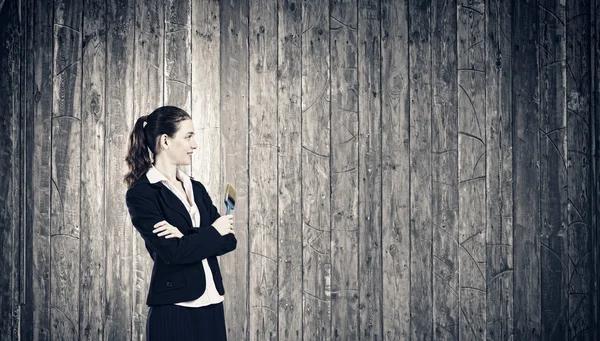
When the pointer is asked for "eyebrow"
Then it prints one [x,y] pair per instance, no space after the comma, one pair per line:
[190,133]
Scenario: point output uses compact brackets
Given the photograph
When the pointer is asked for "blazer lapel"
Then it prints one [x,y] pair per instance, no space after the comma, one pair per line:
[198,199]
[175,203]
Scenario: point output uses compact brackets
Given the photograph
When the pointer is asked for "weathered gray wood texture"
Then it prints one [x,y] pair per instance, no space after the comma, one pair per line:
[405,169]
[11,163]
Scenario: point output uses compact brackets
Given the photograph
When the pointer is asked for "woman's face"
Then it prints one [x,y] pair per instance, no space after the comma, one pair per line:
[179,148]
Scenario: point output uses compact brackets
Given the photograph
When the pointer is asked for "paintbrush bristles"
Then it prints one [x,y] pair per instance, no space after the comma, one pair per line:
[230,194]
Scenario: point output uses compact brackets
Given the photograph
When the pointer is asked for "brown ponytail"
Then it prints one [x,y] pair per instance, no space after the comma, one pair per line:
[138,157]
[144,137]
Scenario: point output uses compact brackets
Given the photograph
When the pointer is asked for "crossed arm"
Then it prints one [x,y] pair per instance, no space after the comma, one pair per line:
[192,246]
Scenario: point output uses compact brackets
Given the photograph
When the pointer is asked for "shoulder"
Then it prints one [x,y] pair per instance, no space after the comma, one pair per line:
[141,187]
[197,184]
[141,181]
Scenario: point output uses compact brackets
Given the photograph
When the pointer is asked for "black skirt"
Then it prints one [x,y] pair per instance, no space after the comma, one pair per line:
[176,323]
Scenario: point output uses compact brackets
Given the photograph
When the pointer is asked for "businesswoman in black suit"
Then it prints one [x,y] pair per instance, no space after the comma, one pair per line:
[181,227]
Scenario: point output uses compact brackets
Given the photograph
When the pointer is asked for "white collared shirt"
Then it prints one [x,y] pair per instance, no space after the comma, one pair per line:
[210,295]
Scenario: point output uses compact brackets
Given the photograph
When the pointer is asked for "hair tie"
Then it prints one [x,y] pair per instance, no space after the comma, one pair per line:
[150,154]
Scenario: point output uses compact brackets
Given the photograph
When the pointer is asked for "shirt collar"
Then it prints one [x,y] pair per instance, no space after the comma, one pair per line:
[154,176]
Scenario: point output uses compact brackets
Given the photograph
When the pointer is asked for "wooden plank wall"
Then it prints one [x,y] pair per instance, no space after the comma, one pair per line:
[234,125]
[553,167]
[93,264]
[344,169]
[419,141]
[11,161]
[148,94]
[395,154]
[446,178]
[262,165]
[499,171]
[405,169]
[289,163]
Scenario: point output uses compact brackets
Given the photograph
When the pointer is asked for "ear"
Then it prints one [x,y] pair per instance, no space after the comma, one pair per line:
[163,141]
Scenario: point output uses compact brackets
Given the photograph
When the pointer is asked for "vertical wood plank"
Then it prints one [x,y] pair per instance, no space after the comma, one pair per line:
[39,174]
[66,170]
[595,66]
[149,56]
[369,170]
[92,239]
[234,153]
[344,170]
[553,170]
[262,195]
[316,245]
[10,159]
[289,177]
[471,168]
[178,57]
[444,168]
[579,233]
[499,172]
[19,67]
[148,95]
[119,120]
[26,315]
[206,36]
[26,264]
[177,65]
[395,194]
[526,185]
[421,301]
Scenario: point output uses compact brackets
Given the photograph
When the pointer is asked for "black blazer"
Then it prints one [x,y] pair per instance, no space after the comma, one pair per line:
[178,274]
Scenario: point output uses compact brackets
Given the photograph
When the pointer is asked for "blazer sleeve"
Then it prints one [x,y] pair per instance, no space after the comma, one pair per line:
[230,242]
[192,248]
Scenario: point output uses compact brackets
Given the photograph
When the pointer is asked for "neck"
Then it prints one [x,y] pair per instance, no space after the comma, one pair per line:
[168,169]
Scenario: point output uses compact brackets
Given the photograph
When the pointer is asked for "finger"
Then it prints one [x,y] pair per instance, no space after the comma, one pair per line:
[167,232]
[175,234]
[159,229]
[164,233]
[160,223]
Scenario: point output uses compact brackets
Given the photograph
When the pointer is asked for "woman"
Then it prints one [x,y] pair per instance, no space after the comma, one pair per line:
[182,230]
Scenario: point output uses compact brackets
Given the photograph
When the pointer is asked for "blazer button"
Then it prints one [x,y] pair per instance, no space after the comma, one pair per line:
[169,284]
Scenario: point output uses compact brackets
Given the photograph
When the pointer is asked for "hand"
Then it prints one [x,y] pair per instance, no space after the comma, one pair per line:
[224,225]
[166,230]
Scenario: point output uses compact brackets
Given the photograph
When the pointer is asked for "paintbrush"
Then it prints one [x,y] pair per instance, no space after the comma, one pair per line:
[229,198]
